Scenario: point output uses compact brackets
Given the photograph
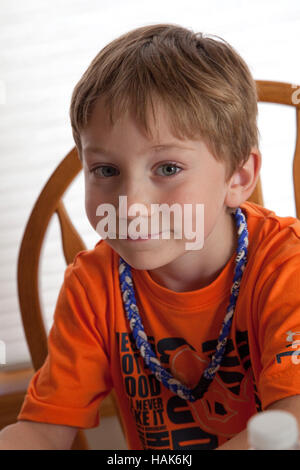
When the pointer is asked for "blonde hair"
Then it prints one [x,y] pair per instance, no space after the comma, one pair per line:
[202,82]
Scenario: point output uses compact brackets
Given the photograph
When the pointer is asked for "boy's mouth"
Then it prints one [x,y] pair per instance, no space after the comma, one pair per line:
[146,237]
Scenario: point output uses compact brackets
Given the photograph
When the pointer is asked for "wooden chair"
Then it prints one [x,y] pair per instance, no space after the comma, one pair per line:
[50,202]
[281,93]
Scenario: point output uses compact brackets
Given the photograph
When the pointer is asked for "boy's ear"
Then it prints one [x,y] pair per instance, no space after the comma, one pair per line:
[244,180]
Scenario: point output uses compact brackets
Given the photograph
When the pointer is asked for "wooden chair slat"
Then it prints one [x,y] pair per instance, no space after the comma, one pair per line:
[71,240]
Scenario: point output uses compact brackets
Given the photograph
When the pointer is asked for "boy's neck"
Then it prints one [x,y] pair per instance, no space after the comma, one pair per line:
[197,269]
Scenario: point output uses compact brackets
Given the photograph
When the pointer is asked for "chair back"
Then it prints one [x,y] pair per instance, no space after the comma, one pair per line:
[281,93]
[48,203]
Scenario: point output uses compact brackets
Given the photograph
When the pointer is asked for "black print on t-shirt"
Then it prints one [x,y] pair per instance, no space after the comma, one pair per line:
[171,424]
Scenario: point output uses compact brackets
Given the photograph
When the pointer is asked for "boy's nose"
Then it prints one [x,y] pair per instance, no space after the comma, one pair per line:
[139,209]
[129,211]
[132,207]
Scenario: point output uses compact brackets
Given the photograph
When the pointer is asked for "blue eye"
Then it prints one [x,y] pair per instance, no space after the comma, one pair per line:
[100,168]
[109,170]
[171,165]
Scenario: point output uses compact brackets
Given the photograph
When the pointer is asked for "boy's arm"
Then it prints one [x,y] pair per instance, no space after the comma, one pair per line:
[291,404]
[25,435]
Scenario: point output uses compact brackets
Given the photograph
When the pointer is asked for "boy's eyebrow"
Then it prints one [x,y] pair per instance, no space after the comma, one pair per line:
[158,148]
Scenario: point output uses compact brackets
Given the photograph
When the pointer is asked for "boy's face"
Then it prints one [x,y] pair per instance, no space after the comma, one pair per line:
[134,168]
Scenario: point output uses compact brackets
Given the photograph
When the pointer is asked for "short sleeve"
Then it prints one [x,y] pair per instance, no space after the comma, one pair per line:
[279,333]
[75,376]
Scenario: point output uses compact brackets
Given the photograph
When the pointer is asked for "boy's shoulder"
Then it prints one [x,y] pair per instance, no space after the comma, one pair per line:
[273,239]
[264,222]
[93,264]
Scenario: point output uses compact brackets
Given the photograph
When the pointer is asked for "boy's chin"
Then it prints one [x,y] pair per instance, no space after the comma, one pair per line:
[145,260]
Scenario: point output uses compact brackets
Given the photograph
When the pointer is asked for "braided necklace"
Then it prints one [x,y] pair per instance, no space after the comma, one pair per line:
[140,337]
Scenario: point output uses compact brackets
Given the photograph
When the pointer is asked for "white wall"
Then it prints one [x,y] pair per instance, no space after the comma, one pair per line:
[45,46]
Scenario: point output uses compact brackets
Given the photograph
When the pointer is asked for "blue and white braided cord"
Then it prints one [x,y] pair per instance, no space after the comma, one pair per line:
[140,337]
[241,261]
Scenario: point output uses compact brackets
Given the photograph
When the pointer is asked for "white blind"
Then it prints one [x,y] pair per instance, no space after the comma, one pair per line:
[45,46]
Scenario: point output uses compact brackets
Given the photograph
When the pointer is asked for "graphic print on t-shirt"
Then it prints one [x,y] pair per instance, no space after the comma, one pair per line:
[166,421]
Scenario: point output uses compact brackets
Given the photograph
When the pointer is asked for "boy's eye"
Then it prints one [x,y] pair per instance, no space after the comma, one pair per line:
[168,166]
[107,170]
[106,173]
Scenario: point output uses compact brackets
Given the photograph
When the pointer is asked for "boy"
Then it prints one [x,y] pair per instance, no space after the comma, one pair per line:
[146,316]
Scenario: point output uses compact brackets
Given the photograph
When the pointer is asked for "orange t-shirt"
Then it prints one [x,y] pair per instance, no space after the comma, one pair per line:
[91,348]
